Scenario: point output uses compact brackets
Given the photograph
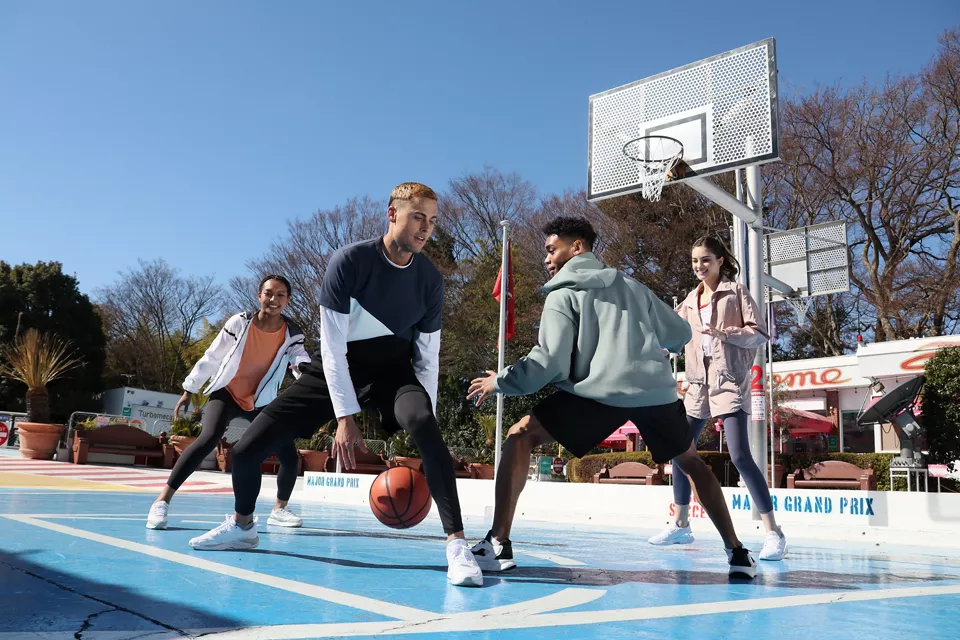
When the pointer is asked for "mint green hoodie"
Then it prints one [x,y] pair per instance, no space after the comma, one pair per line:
[600,338]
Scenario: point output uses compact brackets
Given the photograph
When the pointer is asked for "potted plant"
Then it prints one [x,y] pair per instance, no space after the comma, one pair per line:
[483,470]
[37,359]
[315,451]
[185,429]
[87,425]
[404,452]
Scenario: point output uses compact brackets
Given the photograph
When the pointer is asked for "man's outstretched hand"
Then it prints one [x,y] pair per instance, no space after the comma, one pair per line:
[480,388]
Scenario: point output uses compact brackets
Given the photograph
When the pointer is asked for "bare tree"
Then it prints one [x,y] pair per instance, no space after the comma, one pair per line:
[474,205]
[941,87]
[301,256]
[152,315]
[470,238]
[651,241]
[885,160]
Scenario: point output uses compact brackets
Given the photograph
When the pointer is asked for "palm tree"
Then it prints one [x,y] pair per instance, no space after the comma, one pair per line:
[37,359]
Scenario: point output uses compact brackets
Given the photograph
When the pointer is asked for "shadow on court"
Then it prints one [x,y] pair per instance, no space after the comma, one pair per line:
[40,599]
[587,577]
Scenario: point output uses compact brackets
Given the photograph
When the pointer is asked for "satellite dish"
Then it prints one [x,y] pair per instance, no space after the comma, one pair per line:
[895,407]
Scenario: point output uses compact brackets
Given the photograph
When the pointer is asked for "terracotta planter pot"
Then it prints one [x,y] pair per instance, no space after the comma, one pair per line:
[404,461]
[481,471]
[314,460]
[39,440]
[180,443]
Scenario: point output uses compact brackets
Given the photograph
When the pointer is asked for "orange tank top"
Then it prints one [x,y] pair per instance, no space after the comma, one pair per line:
[258,354]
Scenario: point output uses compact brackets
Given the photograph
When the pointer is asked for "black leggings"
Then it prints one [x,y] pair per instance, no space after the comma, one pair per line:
[220,410]
[306,406]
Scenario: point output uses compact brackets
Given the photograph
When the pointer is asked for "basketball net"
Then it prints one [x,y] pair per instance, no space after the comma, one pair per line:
[656,157]
[800,308]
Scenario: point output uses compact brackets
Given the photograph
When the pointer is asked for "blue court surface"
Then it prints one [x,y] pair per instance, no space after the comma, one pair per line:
[80,564]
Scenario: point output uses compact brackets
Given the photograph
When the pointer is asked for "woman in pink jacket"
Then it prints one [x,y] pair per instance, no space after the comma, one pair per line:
[727,330]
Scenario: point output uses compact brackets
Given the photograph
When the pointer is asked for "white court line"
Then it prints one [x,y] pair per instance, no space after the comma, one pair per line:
[477,621]
[552,557]
[399,612]
[563,599]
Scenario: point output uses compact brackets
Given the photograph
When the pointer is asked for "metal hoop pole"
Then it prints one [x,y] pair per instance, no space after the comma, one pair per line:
[758,419]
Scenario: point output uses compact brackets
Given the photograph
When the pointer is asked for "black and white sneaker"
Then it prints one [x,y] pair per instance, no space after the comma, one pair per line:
[742,564]
[494,555]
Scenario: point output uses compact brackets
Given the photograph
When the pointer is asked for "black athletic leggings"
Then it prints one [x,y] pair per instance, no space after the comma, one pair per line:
[305,407]
[220,410]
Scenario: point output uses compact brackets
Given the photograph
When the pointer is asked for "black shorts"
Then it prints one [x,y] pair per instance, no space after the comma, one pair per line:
[580,424]
[306,404]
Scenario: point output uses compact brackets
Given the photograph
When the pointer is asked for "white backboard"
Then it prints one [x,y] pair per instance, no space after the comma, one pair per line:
[813,260]
[722,109]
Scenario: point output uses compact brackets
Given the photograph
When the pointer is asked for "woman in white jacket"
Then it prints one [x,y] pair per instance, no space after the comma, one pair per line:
[245,365]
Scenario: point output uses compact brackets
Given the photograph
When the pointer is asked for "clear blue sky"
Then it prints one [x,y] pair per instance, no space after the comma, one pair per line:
[192,131]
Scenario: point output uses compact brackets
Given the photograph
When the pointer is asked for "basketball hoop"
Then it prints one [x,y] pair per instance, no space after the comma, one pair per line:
[800,308]
[657,157]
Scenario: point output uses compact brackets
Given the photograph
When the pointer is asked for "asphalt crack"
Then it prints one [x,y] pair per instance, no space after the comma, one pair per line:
[78,634]
[89,619]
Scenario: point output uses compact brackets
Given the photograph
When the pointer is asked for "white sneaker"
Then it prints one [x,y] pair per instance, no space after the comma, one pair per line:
[462,569]
[227,536]
[742,564]
[674,534]
[157,518]
[774,546]
[283,517]
[494,555]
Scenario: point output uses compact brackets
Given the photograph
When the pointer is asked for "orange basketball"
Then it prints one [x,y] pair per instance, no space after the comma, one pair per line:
[400,498]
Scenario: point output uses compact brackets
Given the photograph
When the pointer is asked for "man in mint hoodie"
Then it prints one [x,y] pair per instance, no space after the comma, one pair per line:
[603,338]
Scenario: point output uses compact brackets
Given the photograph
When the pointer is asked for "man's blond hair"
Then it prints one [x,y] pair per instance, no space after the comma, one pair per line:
[410,190]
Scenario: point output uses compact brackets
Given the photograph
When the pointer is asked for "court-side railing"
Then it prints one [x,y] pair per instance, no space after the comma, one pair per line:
[160,425]
[376,446]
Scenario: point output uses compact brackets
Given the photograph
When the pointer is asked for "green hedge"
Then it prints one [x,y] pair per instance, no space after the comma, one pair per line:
[586,467]
[879,461]
[583,469]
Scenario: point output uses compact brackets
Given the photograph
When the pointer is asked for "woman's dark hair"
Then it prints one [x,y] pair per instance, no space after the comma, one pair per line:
[730,267]
[285,282]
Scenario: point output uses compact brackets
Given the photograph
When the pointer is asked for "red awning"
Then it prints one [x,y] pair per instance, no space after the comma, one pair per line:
[619,437]
[804,423]
[628,428]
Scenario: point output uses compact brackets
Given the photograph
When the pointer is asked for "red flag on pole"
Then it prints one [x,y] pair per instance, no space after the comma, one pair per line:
[510,327]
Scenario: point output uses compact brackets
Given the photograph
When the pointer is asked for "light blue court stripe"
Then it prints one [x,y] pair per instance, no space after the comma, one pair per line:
[483,621]
[622,588]
[399,612]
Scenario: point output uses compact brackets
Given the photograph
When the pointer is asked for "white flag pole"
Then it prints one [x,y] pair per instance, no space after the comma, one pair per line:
[502,340]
